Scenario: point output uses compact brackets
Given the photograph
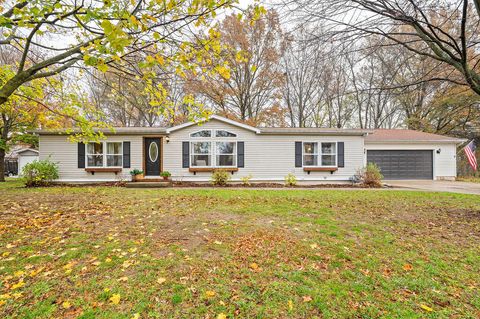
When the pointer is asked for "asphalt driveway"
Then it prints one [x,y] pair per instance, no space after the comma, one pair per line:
[438,186]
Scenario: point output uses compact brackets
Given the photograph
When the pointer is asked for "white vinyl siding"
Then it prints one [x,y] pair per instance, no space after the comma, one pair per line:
[267,157]
[60,150]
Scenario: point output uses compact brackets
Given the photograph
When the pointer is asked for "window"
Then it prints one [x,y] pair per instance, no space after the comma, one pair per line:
[310,154]
[109,154]
[114,154]
[329,154]
[326,156]
[203,133]
[95,154]
[153,152]
[201,153]
[226,154]
[223,133]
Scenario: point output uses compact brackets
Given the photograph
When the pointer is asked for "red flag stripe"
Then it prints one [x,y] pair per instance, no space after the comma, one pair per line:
[471,157]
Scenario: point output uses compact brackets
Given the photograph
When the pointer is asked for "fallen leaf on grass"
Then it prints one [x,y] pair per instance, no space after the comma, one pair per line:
[221,316]
[123,279]
[210,294]
[161,280]
[254,266]
[314,246]
[307,298]
[115,299]
[66,305]
[290,305]
[407,267]
[136,316]
[17,285]
[426,308]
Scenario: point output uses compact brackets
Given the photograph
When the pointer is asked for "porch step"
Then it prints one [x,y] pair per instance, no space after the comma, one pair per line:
[148,184]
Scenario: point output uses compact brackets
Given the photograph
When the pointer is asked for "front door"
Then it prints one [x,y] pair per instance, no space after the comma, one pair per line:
[152,156]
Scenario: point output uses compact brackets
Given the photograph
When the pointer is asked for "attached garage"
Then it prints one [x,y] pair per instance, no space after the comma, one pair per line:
[403,164]
[408,154]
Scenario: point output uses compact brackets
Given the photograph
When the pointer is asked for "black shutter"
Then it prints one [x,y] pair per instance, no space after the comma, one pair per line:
[241,154]
[341,154]
[298,154]
[185,154]
[81,155]
[126,154]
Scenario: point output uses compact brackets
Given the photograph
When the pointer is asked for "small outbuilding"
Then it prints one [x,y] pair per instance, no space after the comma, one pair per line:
[25,156]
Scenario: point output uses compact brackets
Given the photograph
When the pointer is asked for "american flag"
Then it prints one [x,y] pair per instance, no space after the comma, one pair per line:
[470,152]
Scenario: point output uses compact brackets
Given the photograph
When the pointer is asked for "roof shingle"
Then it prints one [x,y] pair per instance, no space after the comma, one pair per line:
[401,135]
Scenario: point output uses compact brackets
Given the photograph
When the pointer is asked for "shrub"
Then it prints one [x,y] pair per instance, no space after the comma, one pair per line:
[220,177]
[165,174]
[136,171]
[246,180]
[290,180]
[370,175]
[39,173]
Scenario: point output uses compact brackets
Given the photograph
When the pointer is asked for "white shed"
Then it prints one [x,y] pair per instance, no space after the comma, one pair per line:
[26,156]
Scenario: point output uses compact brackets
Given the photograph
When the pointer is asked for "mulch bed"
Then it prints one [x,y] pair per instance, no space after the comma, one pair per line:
[209,185]
[268,185]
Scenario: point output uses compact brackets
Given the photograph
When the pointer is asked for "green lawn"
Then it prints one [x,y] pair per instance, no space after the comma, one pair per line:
[99,252]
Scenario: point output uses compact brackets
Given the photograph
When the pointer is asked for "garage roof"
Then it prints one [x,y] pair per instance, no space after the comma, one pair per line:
[411,136]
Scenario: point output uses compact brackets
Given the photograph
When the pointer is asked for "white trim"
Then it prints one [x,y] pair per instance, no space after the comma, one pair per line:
[191,154]
[104,154]
[211,134]
[223,130]
[214,117]
[25,150]
[234,154]
[213,154]
[319,154]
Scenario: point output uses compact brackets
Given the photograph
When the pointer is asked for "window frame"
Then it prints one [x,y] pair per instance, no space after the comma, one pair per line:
[320,153]
[213,153]
[329,154]
[192,154]
[211,134]
[313,154]
[230,132]
[234,154]
[104,154]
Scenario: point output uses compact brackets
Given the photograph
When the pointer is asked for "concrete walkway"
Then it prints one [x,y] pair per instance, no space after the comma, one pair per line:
[438,186]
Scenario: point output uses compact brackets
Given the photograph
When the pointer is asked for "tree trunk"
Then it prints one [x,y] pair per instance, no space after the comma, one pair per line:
[2,165]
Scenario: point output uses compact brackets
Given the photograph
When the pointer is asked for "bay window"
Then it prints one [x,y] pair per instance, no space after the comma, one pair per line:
[323,156]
